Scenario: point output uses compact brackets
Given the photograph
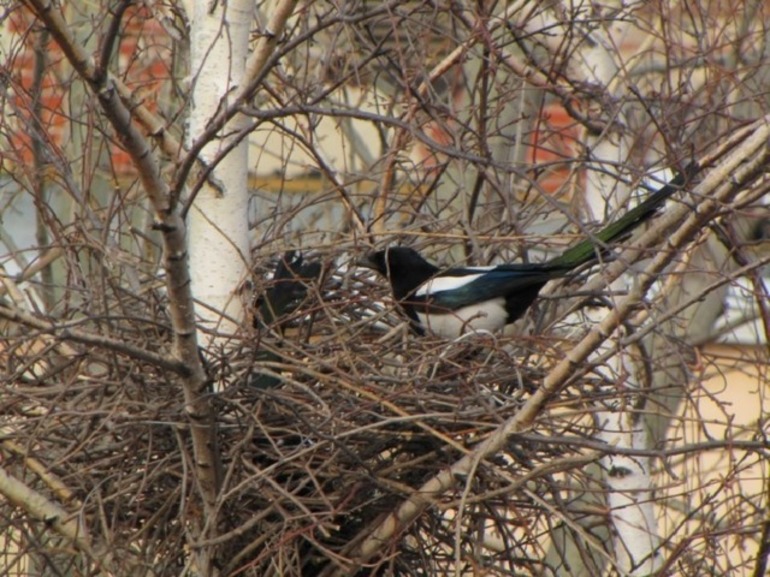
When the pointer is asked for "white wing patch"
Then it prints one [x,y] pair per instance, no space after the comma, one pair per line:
[486,316]
[446,283]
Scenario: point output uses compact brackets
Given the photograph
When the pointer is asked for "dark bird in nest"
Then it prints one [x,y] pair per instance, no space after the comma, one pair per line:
[277,306]
[287,290]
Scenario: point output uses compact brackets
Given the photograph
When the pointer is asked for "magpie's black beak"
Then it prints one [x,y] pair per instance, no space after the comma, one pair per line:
[367,261]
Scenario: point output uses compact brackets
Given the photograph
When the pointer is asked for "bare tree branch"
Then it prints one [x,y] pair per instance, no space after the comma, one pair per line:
[65,332]
[64,523]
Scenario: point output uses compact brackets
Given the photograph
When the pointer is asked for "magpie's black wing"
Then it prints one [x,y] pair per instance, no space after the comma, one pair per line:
[463,287]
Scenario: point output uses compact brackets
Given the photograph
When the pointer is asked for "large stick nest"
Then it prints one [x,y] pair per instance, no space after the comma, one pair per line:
[326,424]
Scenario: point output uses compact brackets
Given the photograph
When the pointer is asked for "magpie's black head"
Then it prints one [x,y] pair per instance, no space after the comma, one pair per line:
[402,266]
[396,261]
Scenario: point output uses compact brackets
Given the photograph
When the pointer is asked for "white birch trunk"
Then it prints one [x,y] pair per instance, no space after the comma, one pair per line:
[218,221]
[628,480]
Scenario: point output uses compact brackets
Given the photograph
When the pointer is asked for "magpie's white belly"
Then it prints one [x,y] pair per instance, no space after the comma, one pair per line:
[486,316]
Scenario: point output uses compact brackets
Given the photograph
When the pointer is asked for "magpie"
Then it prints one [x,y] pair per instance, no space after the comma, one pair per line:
[274,308]
[447,302]
[287,290]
